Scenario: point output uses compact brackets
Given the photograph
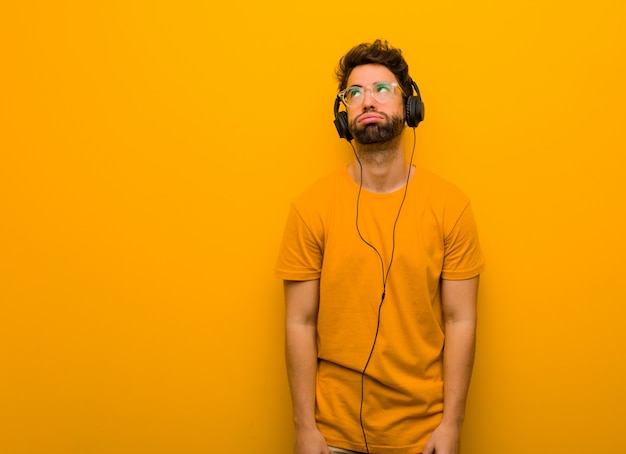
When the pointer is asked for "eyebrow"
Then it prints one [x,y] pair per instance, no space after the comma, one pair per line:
[377,82]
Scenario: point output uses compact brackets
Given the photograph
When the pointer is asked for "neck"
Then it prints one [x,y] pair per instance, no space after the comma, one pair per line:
[383,166]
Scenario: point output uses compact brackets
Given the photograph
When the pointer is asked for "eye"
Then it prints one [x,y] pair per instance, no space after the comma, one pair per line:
[353,92]
[383,87]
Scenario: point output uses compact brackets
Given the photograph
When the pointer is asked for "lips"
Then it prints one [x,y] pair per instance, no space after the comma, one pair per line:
[368,118]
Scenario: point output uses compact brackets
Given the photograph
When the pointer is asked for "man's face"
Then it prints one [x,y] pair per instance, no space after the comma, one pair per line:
[374,121]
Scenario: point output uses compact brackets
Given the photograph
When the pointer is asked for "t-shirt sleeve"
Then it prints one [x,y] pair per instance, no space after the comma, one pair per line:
[300,253]
[463,258]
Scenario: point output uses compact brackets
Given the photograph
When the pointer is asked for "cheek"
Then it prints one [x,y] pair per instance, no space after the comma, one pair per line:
[353,113]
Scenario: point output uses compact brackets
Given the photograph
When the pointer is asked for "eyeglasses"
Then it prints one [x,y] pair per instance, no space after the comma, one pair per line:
[381,92]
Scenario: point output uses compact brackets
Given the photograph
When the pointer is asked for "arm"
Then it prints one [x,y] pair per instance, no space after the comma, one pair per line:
[302,301]
[459,310]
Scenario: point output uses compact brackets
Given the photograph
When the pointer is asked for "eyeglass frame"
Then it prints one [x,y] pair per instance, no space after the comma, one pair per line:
[342,93]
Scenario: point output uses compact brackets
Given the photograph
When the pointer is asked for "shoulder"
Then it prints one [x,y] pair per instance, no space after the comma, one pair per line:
[438,189]
[322,191]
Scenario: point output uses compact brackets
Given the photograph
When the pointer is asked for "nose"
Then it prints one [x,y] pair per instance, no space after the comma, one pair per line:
[368,99]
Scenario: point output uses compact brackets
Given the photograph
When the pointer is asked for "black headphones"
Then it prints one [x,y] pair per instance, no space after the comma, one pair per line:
[414,113]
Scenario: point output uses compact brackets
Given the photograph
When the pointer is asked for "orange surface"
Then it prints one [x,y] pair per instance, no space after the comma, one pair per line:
[148,152]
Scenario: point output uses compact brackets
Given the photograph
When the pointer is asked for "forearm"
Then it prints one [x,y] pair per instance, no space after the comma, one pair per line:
[302,303]
[458,363]
[301,355]
[460,315]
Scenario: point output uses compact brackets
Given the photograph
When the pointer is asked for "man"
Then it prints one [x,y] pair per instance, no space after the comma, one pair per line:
[380,262]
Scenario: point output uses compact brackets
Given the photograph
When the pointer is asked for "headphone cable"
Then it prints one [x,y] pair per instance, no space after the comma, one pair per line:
[385,275]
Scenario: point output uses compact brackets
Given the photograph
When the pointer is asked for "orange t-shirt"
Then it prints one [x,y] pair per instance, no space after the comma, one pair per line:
[435,238]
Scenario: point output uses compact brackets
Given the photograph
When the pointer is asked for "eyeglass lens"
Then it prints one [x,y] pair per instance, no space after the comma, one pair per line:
[381,92]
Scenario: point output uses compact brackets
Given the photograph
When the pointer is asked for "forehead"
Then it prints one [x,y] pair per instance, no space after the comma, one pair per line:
[368,74]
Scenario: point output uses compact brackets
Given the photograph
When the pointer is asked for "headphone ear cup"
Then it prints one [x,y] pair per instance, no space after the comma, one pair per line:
[414,111]
[341,123]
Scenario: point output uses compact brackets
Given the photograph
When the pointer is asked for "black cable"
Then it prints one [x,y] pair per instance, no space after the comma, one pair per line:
[385,275]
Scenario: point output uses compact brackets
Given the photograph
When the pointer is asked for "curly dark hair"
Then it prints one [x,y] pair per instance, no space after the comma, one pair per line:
[381,53]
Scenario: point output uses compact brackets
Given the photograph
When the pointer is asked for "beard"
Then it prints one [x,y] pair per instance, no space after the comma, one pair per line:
[374,133]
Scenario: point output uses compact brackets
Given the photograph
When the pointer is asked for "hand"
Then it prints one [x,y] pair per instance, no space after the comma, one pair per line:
[310,441]
[446,439]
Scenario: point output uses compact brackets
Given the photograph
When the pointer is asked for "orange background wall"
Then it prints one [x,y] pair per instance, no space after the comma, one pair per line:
[148,153]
